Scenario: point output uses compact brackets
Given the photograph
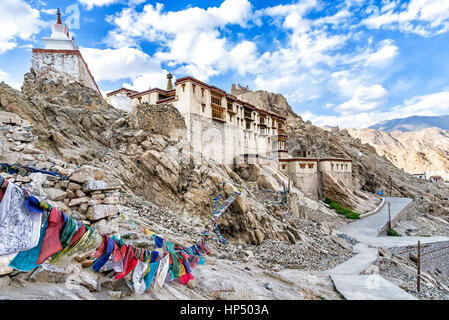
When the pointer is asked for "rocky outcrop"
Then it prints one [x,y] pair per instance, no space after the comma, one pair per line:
[419,151]
[273,102]
[162,119]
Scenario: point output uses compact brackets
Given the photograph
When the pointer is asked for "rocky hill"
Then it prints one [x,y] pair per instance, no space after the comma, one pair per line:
[274,102]
[137,165]
[421,151]
[371,171]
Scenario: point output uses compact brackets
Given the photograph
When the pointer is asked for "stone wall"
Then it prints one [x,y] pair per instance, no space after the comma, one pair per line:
[160,119]
[68,65]
[221,142]
[308,183]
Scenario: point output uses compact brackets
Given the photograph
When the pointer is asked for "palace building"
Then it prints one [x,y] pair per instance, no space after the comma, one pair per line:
[219,125]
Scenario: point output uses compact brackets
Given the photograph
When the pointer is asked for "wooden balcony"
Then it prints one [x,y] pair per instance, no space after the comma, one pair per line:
[218,113]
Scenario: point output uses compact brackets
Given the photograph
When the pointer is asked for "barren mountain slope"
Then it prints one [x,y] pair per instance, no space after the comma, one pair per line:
[426,150]
[371,171]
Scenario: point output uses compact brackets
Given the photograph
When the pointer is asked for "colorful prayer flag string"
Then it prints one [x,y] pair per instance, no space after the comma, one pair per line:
[62,238]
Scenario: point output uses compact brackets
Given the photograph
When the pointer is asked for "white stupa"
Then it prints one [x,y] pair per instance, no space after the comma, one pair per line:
[60,38]
[62,57]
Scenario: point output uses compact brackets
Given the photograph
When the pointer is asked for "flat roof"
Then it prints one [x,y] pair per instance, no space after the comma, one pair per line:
[207,86]
[119,90]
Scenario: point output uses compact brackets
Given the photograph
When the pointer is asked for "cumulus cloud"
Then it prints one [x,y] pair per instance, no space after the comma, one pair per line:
[124,63]
[364,99]
[89,4]
[18,20]
[435,104]
[422,17]
[189,39]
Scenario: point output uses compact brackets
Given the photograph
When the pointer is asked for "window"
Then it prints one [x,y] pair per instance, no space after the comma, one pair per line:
[216,101]
[302,165]
[283,167]
[311,165]
[193,87]
[218,113]
[202,92]
[183,87]
[230,106]
[203,106]
[140,99]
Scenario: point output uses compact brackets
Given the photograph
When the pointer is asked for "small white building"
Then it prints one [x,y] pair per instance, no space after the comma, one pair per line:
[120,99]
[421,176]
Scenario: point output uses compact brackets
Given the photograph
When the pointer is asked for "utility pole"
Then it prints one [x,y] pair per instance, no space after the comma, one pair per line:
[389,216]
[391,183]
[419,267]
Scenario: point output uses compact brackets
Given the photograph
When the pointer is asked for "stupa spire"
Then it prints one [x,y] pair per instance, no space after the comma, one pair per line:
[59,17]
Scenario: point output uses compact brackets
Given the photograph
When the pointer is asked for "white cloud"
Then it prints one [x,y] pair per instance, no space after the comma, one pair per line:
[189,39]
[123,63]
[5,77]
[18,20]
[422,17]
[89,4]
[435,104]
[364,99]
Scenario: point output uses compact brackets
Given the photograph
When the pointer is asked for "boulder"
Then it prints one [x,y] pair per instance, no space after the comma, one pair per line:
[23,136]
[73,186]
[101,211]
[106,227]
[89,280]
[111,200]
[80,177]
[10,118]
[291,237]
[99,185]
[48,273]
[78,201]
[259,236]
[55,194]
[383,252]
[4,262]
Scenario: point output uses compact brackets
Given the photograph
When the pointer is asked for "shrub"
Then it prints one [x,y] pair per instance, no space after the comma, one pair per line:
[393,233]
[342,210]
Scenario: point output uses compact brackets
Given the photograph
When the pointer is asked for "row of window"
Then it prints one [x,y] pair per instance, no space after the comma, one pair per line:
[341,166]
[312,165]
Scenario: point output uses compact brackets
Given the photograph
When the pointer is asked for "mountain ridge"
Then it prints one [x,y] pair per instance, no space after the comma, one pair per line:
[413,123]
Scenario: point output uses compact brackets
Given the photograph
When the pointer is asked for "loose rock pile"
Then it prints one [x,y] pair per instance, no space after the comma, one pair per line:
[84,193]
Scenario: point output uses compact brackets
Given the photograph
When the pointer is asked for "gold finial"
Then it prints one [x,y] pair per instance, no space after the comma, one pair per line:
[169,84]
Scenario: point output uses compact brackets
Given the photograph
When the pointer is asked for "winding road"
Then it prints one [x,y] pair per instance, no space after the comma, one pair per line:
[347,276]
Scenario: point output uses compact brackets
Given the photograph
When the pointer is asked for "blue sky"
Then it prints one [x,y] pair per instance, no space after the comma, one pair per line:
[350,63]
